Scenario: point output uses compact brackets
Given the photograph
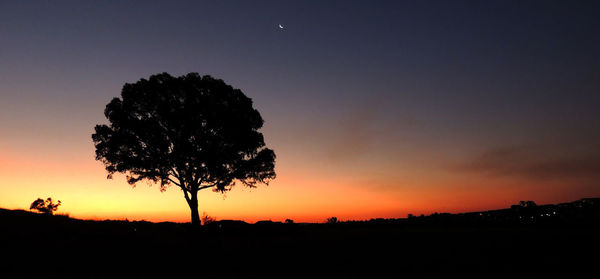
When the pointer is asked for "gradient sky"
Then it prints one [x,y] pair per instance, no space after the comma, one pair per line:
[374,108]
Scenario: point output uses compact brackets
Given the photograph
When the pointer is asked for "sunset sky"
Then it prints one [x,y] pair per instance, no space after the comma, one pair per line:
[374,108]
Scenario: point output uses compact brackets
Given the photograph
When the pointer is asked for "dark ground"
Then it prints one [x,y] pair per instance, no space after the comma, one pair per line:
[39,245]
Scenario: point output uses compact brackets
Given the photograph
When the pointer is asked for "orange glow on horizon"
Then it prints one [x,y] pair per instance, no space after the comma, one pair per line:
[297,194]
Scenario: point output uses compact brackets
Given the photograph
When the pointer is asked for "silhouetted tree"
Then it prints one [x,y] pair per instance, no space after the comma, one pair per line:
[332,220]
[289,221]
[46,207]
[192,131]
[527,204]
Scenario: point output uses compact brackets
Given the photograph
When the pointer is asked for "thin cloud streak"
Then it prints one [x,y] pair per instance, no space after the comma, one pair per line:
[532,163]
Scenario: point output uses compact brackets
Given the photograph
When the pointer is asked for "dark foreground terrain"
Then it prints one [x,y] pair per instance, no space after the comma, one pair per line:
[58,246]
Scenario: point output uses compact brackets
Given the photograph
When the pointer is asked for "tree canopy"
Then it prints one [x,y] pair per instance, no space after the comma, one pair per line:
[192,131]
[46,207]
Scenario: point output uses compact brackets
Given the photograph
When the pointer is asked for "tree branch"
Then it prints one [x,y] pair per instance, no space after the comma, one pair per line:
[186,195]
[176,174]
[207,186]
[198,179]
[173,181]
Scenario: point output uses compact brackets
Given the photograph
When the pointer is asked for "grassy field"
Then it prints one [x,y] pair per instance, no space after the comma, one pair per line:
[39,244]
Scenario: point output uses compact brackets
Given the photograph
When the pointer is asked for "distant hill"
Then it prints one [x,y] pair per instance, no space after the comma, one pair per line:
[583,212]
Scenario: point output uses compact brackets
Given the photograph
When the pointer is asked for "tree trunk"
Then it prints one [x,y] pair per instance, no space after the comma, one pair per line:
[193,203]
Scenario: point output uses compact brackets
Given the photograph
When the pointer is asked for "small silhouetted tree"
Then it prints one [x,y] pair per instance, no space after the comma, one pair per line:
[527,204]
[45,206]
[195,132]
[332,220]
[289,221]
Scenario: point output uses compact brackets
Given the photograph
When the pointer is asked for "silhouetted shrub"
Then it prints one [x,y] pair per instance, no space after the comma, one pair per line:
[46,207]
[289,221]
[207,219]
[527,203]
[332,220]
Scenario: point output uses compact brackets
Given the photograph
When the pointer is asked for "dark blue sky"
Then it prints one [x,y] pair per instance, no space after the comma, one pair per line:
[391,89]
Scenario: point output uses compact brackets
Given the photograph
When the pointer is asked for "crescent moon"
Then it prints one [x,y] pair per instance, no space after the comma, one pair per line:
[280,26]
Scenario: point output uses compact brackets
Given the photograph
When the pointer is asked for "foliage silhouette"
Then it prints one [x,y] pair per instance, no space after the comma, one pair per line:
[193,131]
[46,207]
[527,204]
[206,219]
[332,220]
